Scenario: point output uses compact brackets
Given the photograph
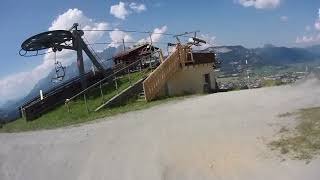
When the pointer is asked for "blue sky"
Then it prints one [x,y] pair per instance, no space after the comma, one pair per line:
[224,22]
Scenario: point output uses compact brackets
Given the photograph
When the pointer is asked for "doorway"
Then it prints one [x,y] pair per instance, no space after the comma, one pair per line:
[207,83]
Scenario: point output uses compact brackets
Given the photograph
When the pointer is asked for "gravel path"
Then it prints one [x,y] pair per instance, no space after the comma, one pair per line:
[218,136]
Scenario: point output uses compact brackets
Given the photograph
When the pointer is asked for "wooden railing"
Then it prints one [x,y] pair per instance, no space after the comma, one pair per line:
[104,88]
[157,79]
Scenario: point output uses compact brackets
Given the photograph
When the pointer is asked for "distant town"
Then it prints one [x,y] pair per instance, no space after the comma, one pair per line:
[242,78]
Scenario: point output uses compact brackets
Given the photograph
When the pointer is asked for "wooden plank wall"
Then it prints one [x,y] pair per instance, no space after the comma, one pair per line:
[157,79]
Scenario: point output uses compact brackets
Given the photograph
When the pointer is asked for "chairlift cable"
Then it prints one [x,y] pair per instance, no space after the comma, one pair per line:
[135,31]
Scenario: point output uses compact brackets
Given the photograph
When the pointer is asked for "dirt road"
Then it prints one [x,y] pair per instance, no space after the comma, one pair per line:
[218,136]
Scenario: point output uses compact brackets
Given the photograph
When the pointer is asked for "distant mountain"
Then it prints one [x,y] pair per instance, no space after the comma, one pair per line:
[284,55]
[314,49]
[10,110]
[231,56]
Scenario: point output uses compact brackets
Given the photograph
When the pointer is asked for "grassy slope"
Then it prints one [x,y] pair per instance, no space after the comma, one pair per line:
[269,83]
[60,117]
[303,142]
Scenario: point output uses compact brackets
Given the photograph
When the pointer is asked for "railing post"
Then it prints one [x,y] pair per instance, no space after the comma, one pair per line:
[140,62]
[140,68]
[129,77]
[101,91]
[22,113]
[150,65]
[67,104]
[116,84]
[85,102]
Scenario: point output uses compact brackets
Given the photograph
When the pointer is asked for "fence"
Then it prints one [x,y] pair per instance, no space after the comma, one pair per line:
[100,92]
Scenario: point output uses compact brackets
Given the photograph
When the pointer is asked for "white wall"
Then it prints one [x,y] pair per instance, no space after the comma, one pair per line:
[190,80]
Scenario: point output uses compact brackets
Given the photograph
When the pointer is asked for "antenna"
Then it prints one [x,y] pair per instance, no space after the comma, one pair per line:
[184,34]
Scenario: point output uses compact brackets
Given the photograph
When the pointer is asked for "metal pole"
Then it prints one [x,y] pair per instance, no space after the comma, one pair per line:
[80,59]
[248,75]
[115,80]
[124,46]
[68,107]
[101,91]
[150,50]
[129,77]
[150,38]
[140,69]
[85,102]
[140,65]
[22,113]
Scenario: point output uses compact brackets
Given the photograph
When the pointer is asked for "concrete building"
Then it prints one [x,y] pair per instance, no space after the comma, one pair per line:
[197,76]
[183,72]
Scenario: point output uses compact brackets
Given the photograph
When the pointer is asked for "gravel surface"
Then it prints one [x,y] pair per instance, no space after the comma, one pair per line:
[218,136]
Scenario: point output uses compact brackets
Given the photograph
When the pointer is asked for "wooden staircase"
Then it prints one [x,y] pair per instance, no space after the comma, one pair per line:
[123,96]
[156,81]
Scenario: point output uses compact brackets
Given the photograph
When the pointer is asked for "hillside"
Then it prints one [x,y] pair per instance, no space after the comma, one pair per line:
[314,49]
[230,56]
[272,55]
[10,110]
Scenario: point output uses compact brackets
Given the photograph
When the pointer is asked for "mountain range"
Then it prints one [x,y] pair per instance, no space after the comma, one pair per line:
[267,55]
[227,55]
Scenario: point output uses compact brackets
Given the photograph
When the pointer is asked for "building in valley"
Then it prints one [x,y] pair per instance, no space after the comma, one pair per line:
[182,72]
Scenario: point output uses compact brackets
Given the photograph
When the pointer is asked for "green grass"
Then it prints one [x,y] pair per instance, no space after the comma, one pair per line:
[94,98]
[60,117]
[303,142]
[269,83]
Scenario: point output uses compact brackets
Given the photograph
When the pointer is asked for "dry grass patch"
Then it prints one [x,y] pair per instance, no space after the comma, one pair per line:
[303,141]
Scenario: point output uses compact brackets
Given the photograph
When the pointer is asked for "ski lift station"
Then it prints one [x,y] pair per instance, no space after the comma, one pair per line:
[183,71]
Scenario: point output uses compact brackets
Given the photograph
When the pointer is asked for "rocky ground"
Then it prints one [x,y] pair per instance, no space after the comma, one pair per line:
[218,136]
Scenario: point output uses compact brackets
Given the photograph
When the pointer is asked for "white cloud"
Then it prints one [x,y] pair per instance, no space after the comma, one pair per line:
[210,42]
[156,35]
[317,25]
[11,85]
[65,21]
[308,28]
[314,38]
[137,7]
[118,36]
[284,18]
[308,39]
[260,4]
[123,10]
[119,10]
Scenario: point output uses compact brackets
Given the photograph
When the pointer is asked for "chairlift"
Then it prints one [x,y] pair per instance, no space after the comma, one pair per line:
[59,70]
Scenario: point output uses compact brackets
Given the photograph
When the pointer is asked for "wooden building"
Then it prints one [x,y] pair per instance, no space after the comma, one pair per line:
[182,72]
